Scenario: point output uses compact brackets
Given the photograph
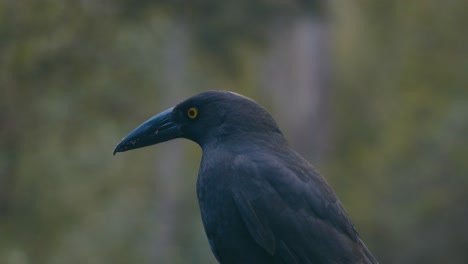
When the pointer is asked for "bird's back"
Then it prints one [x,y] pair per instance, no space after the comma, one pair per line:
[271,205]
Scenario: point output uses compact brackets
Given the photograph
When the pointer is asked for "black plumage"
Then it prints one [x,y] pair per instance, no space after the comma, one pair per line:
[259,200]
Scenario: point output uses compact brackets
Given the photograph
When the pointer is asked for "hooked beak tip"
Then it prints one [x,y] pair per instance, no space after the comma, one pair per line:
[116,149]
[119,148]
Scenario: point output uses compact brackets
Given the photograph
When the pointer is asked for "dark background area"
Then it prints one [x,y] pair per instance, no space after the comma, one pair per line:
[373,93]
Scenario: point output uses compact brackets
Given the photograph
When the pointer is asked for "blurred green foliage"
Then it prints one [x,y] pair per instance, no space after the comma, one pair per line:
[76,76]
[404,72]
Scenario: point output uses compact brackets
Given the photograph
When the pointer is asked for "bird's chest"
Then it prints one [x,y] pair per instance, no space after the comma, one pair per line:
[215,188]
[229,239]
[215,199]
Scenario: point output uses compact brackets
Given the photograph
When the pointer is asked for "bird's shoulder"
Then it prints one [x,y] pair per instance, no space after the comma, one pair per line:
[287,177]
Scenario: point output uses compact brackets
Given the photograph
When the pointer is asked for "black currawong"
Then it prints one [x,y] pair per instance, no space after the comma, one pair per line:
[260,201]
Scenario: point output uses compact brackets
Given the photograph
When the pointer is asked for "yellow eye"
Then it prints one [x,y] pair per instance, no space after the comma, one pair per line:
[192,112]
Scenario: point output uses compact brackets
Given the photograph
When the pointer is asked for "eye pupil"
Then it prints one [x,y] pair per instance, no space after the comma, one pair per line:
[192,112]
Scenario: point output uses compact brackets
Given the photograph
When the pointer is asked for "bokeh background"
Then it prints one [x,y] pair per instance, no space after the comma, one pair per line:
[373,93]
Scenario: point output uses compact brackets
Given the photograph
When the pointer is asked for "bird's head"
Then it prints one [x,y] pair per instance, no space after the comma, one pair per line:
[205,117]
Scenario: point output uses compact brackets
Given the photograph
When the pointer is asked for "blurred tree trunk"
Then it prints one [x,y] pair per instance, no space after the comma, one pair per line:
[10,134]
[296,72]
[168,169]
[7,169]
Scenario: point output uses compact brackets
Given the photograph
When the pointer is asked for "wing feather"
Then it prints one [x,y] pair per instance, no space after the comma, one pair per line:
[293,214]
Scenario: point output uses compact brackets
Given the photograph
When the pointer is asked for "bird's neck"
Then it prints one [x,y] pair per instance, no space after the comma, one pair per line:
[243,140]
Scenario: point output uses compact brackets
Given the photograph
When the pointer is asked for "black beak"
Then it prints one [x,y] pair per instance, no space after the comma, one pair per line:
[157,129]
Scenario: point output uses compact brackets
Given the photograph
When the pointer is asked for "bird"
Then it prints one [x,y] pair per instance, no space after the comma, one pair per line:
[259,200]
